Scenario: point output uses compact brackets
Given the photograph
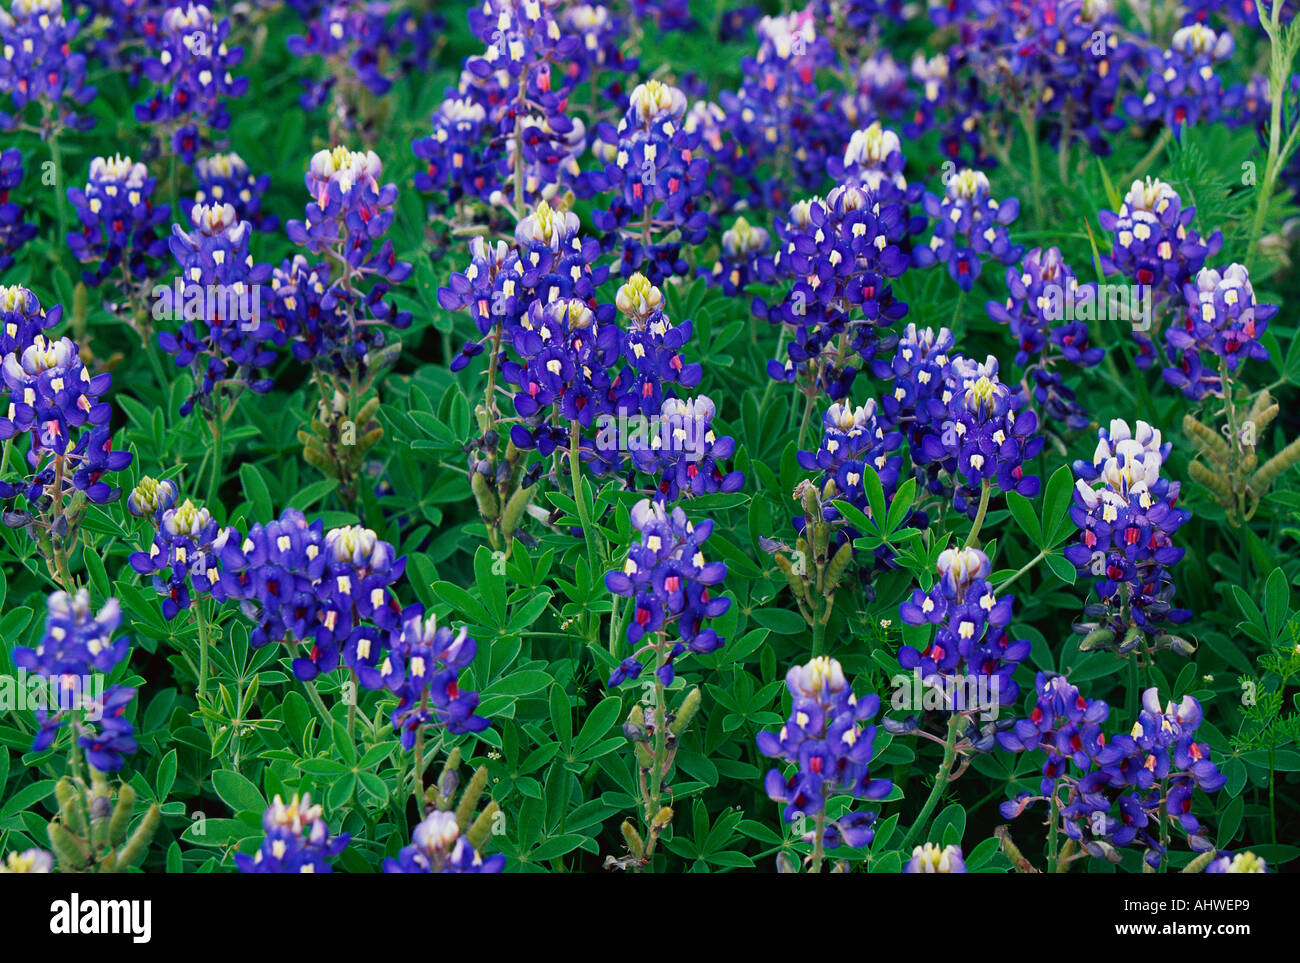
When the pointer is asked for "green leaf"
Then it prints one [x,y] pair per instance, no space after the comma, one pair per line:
[166,776]
[1022,510]
[598,722]
[1062,568]
[1056,507]
[237,792]
[780,621]
[255,488]
[517,684]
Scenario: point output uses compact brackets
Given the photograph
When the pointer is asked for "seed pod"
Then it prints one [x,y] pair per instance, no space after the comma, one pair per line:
[811,505]
[71,806]
[368,411]
[486,498]
[821,540]
[134,847]
[1131,639]
[1063,862]
[1018,861]
[835,570]
[481,830]
[469,799]
[690,705]
[72,852]
[315,456]
[1200,862]
[1269,471]
[1208,441]
[385,356]
[121,815]
[662,818]
[1176,644]
[635,845]
[1096,639]
[1214,482]
[515,509]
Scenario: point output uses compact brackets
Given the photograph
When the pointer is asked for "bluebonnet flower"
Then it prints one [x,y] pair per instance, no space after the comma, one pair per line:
[349,214]
[670,580]
[874,160]
[22,318]
[437,846]
[1223,321]
[325,590]
[226,179]
[191,67]
[151,497]
[422,667]
[1043,292]
[1121,788]
[979,433]
[548,259]
[564,372]
[600,50]
[28,861]
[1154,243]
[684,452]
[119,222]
[879,92]
[1064,60]
[737,265]
[185,554]
[39,66]
[969,224]
[1182,87]
[223,337]
[933,859]
[365,45]
[297,840]
[455,158]
[841,254]
[826,740]
[970,659]
[652,349]
[854,441]
[667,15]
[1126,515]
[1156,248]
[952,102]
[522,82]
[780,112]
[1246,862]
[653,168]
[76,644]
[57,403]
[14,231]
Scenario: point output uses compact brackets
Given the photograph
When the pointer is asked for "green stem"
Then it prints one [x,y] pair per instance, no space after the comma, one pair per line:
[1149,157]
[1035,165]
[940,782]
[985,489]
[818,832]
[819,635]
[1279,70]
[314,695]
[214,486]
[60,200]
[1051,832]
[203,649]
[584,516]
[1023,569]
